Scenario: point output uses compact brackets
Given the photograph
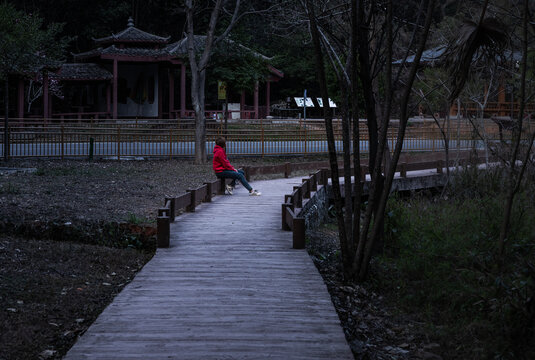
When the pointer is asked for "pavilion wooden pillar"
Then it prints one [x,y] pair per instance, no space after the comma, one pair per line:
[171,93]
[115,90]
[20,98]
[268,97]
[160,93]
[242,105]
[108,98]
[182,90]
[45,95]
[256,100]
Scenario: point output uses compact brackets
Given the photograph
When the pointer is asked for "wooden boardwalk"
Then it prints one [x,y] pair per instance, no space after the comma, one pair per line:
[229,287]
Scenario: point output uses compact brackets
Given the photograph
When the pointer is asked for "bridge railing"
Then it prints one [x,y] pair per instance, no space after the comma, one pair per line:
[185,202]
[293,218]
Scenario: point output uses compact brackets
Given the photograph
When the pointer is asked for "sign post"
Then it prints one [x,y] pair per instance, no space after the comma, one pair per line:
[305,106]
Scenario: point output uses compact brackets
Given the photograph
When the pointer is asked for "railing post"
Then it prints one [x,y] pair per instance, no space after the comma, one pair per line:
[324,177]
[221,190]
[170,143]
[208,197]
[305,128]
[163,231]
[299,203]
[287,170]
[118,143]
[306,194]
[440,165]
[299,233]
[262,127]
[62,141]
[285,225]
[191,206]
[91,148]
[171,208]
[6,136]
[403,170]
[314,182]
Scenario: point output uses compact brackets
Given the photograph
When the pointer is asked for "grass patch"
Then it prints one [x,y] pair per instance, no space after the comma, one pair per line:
[9,188]
[441,263]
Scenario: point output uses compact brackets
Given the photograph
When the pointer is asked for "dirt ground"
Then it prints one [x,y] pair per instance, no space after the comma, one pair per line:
[51,291]
[374,329]
[55,275]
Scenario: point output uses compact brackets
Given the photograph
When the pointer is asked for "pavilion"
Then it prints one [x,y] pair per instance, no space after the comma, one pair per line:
[131,74]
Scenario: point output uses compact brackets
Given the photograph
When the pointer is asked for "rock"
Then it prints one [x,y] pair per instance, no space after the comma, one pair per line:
[357,346]
[431,346]
[47,354]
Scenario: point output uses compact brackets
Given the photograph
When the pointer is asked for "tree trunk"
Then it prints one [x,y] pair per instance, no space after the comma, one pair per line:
[197,96]
[366,83]
[6,119]
[327,113]
[377,226]
[517,133]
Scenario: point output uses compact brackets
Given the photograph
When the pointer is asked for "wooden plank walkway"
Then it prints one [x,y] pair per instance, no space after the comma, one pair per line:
[229,287]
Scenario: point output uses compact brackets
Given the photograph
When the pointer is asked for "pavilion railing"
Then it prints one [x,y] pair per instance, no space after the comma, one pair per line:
[168,138]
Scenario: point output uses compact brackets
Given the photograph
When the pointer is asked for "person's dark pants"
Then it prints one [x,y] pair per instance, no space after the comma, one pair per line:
[239,175]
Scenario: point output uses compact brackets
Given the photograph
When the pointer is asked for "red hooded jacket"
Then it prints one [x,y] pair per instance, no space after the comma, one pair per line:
[221,162]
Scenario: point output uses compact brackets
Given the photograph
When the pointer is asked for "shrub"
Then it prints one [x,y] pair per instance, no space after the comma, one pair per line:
[441,261]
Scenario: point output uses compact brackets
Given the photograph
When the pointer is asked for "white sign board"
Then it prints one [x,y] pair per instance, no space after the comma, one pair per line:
[331,103]
[300,100]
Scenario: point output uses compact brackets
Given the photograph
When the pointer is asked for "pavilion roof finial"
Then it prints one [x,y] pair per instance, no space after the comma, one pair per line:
[130,22]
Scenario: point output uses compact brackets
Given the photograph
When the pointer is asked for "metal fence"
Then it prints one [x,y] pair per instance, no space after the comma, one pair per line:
[69,138]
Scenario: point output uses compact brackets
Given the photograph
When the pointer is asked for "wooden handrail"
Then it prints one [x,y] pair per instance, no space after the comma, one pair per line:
[293,203]
[186,202]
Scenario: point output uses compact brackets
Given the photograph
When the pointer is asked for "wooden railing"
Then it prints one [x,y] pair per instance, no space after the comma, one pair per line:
[187,202]
[293,203]
[293,220]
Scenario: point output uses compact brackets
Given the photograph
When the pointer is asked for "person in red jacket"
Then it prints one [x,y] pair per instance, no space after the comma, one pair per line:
[223,169]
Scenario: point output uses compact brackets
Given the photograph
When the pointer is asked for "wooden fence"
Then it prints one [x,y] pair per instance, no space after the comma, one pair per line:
[163,138]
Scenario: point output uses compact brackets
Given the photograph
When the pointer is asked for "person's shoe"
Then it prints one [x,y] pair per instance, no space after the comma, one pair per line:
[255,193]
[229,189]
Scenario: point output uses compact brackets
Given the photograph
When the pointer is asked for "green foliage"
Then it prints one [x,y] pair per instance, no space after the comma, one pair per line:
[137,220]
[442,263]
[25,45]
[238,66]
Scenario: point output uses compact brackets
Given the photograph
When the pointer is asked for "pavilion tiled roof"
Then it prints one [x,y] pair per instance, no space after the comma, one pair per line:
[127,51]
[132,35]
[180,48]
[81,71]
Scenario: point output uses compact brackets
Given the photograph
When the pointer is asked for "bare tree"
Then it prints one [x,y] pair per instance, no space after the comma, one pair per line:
[484,37]
[199,65]
[370,54]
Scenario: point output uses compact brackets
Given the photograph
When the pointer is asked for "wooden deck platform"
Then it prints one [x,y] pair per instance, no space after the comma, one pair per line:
[229,287]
